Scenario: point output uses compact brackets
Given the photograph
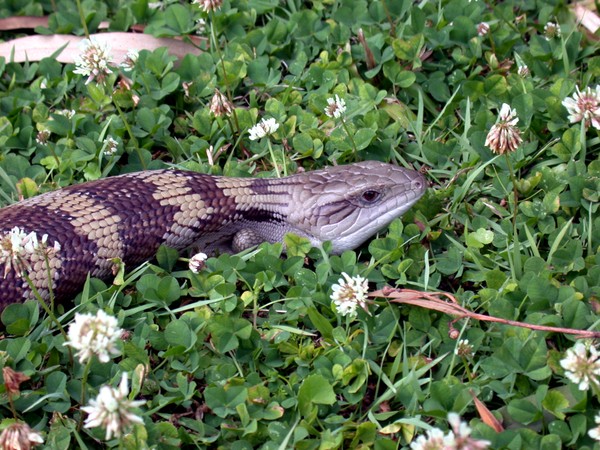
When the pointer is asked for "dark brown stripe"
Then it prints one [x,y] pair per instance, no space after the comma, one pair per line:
[262,215]
[223,207]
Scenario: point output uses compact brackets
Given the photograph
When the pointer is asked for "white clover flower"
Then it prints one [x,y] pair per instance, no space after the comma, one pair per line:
[10,246]
[94,335]
[42,137]
[462,434]
[463,348]
[93,60]
[18,246]
[200,26]
[483,28]
[594,433]
[336,107]
[584,106]
[263,128]
[349,294]
[110,146]
[19,436]
[130,59]
[581,368]
[459,438]
[112,410]
[197,262]
[208,5]
[432,439]
[504,136]
[220,105]
[68,113]
[523,71]
[551,30]
[23,242]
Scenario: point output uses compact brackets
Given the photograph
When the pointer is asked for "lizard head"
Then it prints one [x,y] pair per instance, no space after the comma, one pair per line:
[348,204]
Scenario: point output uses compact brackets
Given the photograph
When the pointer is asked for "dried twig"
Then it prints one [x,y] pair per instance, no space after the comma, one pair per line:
[447,303]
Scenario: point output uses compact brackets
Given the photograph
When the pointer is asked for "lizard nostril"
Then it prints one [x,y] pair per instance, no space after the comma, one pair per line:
[418,185]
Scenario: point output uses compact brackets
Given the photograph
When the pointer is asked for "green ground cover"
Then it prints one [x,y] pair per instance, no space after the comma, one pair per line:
[251,352]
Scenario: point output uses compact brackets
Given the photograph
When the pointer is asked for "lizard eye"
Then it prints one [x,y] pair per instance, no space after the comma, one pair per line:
[370,196]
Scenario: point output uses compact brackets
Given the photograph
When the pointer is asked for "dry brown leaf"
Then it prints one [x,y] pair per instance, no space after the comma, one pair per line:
[31,22]
[13,380]
[486,415]
[417,298]
[586,17]
[23,22]
[368,53]
[35,48]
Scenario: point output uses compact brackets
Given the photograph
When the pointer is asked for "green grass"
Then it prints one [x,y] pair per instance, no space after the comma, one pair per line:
[250,352]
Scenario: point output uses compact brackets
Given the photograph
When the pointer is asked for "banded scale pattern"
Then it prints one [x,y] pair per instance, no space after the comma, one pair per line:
[130,216]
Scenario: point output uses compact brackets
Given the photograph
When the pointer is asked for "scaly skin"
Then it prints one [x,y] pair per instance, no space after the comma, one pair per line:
[130,216]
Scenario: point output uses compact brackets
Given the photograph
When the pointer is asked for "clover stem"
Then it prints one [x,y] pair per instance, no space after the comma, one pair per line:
[82,18]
